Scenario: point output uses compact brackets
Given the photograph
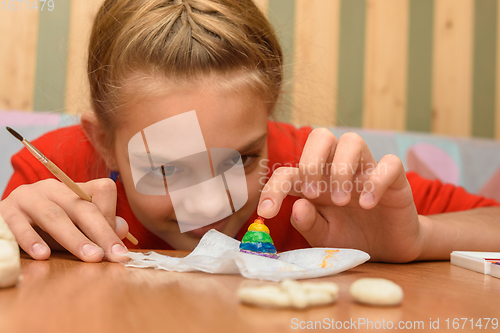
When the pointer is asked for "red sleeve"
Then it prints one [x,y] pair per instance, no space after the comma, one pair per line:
[434,197]
[68,148]
[25,172]
[71,151]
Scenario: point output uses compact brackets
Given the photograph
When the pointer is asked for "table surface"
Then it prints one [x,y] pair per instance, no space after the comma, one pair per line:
[63,294]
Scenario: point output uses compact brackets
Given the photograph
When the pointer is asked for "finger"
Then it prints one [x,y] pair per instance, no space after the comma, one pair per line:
[26,236]
[104,195]
[121,227]
[351,156]
[318,151]
[283,181]
[389,172]
[309,222]
[89,219]
[54,220]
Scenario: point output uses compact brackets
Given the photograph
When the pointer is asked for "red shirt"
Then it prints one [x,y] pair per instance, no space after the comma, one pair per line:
[71,151]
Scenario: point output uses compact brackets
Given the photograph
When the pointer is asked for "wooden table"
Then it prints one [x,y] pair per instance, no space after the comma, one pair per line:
[66,295]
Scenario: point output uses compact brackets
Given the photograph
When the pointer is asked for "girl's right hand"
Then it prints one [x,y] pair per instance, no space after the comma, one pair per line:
[48,215]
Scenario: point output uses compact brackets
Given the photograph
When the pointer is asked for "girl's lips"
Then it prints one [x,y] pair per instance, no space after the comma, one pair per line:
[203,230]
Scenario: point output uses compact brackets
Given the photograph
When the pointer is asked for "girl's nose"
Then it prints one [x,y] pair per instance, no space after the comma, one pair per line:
[207,202]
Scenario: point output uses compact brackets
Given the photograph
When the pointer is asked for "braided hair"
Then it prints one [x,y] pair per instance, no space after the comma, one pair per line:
[178,40]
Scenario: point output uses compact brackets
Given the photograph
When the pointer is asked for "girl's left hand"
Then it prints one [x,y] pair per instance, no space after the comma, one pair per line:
[348,199]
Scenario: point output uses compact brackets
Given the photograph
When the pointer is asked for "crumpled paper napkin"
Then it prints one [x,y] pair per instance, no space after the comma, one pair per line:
[217,253]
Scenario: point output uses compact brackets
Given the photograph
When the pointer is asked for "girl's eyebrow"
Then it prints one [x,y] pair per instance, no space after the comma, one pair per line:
[147,156]
[252,144]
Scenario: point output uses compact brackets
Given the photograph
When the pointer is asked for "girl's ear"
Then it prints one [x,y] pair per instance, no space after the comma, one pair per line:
[97,136]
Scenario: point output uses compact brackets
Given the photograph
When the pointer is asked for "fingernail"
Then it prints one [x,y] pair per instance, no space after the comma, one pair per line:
[89,250]
[266,205]
[367,199]
[39,249]
[119,221]
[338,196]
[118,249]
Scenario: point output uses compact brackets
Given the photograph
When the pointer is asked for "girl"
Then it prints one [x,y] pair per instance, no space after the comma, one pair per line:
[151,60]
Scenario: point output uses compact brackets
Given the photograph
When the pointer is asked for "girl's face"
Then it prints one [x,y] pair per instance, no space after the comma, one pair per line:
[228,118]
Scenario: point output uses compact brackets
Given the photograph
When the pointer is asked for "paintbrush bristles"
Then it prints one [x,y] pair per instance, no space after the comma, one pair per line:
[14,133]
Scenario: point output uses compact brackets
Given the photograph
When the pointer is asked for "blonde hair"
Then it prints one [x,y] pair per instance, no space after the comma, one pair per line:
[179,40]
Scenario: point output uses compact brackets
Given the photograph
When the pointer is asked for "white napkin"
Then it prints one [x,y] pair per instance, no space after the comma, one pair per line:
[217,253]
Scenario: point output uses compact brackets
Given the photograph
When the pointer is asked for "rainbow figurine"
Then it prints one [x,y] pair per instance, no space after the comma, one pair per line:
[257,240]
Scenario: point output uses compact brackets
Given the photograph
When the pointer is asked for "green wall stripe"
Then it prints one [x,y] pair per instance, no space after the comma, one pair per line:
[281,14]
[483,90]
[420,40]
[50,80]
[351,63]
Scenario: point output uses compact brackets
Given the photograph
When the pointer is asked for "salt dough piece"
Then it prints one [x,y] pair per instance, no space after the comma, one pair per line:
[257,240]
[376,291]
[290,293]
[10,263]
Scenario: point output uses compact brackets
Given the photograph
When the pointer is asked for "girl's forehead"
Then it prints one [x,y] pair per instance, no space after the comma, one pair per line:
[140,88]
[222,115]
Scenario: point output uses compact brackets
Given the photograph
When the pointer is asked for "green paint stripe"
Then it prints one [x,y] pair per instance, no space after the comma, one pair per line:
[50,81]
[281,14]
[419,93]
[351,63]
[483,100]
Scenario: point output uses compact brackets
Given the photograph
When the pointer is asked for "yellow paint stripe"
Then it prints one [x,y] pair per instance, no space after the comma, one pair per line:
[497,88]
[452,67]
[386,64]
[18,52]
[77,87]
[315,62]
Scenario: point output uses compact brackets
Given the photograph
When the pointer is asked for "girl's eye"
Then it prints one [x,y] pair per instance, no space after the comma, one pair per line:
[246,160]
[236,159]
[167,170]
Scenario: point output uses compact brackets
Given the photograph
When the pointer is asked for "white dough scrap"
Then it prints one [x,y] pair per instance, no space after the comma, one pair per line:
[290,293]
[10,263]
[376,291]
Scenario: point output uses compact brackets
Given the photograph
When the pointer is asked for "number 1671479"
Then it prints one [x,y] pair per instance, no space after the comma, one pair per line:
[18,5]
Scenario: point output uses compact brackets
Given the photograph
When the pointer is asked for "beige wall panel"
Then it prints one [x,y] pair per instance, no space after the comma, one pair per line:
[262,4]
[18,43]
[452,67]
[77,88]
[315,62]
[386,64]
[497,92]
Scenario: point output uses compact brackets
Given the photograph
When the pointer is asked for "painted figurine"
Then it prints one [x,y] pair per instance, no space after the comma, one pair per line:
[257,240]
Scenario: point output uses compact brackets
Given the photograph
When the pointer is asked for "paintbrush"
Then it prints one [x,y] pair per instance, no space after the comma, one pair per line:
[59,173]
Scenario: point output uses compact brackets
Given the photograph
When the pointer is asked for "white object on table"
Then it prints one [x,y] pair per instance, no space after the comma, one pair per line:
[476,261]
[10,262]
[217,253]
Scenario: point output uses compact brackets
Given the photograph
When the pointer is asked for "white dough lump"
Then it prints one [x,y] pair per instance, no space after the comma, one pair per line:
[290,293]
[10,266]
[376,291]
